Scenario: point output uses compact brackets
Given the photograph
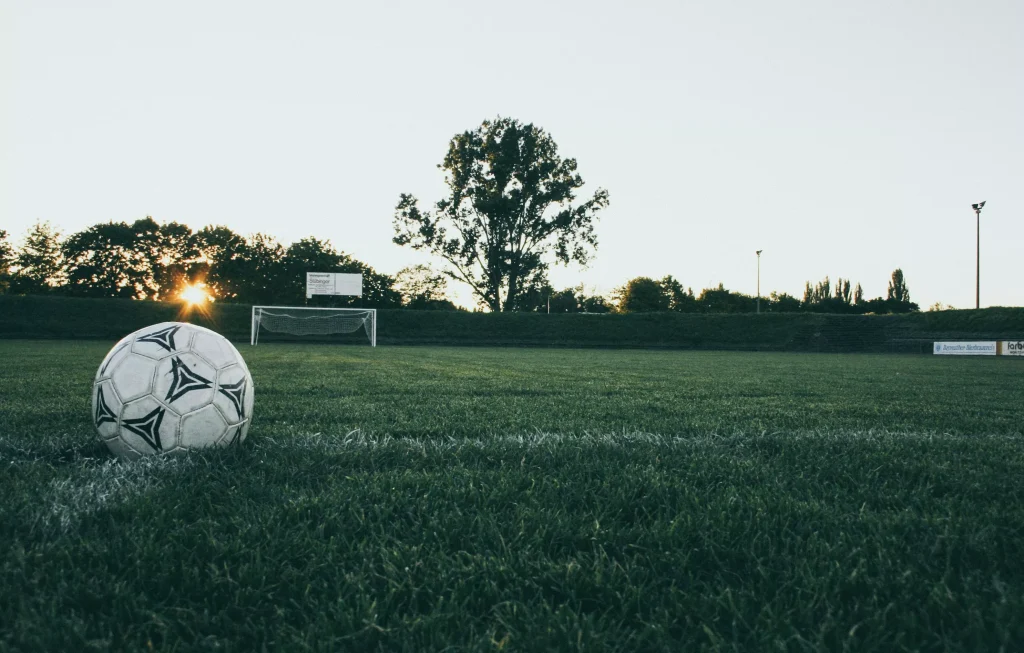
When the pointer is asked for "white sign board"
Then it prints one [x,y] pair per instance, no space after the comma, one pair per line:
[333,283]
[966,348]
[1011,347]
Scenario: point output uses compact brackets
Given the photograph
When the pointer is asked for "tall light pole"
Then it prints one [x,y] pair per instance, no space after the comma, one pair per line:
[758,252]
[977,271]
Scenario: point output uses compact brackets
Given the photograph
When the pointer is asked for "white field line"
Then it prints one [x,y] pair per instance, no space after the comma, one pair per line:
[107,483]
[96,483]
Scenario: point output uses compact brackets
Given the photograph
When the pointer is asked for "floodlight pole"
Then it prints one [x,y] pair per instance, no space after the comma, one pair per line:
[758,252]
[977,260]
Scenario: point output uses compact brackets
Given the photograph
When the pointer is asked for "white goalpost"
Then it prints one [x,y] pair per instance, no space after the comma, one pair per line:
[306,321]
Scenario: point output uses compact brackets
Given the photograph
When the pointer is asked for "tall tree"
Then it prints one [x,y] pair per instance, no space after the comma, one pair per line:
[843,292]
[898,291]
[39,263]
[808,293]
[858,295]
[509,212]
[6,259]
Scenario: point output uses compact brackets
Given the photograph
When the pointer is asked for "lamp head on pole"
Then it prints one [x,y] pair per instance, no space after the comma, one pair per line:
[978,207]
[759,252]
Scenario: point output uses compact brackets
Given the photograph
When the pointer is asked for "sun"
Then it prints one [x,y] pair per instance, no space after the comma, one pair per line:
[194,294]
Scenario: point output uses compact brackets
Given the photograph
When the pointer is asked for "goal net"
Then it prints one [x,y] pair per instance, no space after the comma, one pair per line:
[303,321]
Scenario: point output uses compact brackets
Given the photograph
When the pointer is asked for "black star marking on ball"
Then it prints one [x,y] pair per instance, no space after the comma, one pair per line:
[184,380]
[236,393]
[103,412]
[147,427]
[163,337]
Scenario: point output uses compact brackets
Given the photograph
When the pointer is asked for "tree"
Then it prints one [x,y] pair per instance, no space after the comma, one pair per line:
[594,304]
[858,295]
[818,293]
[423,288]
[6,259]
[141,260]
[898,291]
[112,259]
[254,272]
[176,259]
[898,295]
[39,264]
[510,211]
[782,303]
[843,293]
[565,301]
[544,298]
[680,299]
[721,300]
[533,297]
[821,298]
[218,246]
[641,295]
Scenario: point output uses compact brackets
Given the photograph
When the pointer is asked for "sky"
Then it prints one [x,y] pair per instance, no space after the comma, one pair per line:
[842,139]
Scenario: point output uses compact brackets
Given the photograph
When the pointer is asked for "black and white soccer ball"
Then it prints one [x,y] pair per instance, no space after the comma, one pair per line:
[171,387]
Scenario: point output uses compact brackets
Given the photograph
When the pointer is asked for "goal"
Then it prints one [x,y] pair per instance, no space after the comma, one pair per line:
[305,321]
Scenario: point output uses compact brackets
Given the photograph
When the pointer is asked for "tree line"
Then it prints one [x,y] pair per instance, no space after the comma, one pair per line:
[512,211]
[644,294]
[148,260]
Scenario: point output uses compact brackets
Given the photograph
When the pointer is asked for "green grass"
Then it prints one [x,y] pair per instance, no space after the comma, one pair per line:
[414,499]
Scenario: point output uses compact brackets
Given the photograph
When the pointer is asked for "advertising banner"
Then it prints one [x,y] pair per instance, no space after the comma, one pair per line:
[979,348]
[1011,347]
[333,283]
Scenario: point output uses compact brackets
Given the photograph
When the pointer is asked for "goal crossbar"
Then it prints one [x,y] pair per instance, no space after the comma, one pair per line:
[308,320]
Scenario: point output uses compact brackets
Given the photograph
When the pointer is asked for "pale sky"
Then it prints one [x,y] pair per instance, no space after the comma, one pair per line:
[843,139]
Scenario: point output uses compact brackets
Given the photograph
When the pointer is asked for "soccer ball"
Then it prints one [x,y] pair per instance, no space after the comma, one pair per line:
[171,387]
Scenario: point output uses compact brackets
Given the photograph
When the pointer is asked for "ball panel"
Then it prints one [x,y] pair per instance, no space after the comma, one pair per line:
[106,407]
[250,398]
[231,436]
[148,426]
[116,354]
[120,448]
[184,382]
[243,431]
[214,348]
[133,377]
[232,386]
[202,428]
[162,340]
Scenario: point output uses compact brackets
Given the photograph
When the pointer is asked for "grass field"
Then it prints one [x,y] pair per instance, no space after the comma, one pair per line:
[419,499]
